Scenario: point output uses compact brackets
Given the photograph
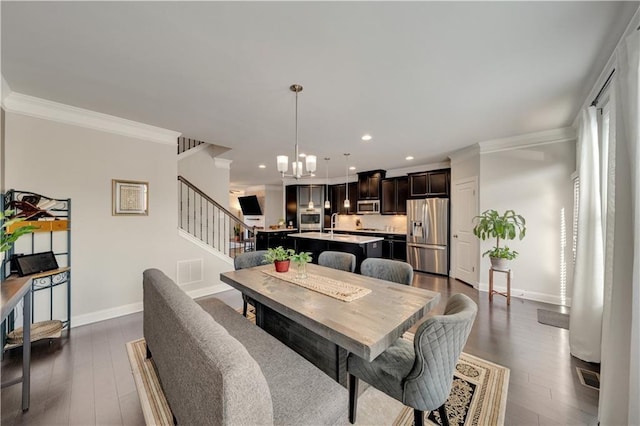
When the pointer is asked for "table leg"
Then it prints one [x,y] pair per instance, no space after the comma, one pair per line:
[26,351]
[490,285]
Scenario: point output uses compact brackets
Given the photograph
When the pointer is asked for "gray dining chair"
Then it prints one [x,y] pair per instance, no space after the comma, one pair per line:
[337,260]
[248,260]
[386,269]
[418,374]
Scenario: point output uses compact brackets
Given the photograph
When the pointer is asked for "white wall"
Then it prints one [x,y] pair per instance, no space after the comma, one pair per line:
[109,253]
[536,183]
[209,174]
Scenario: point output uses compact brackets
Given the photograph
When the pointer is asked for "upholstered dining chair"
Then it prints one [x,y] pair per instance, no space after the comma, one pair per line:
[418,374]
[337,260]
[386,269]
[248,260]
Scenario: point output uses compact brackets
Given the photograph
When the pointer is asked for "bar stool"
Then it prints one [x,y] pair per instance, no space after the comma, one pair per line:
[492,291]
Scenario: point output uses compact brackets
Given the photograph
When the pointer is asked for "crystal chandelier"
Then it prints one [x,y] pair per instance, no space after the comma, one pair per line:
[296,165]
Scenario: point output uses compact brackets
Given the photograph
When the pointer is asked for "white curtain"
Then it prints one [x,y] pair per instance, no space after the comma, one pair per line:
[588,279]
[620,372]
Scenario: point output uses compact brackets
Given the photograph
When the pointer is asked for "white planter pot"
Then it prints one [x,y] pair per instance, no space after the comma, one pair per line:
[500,264]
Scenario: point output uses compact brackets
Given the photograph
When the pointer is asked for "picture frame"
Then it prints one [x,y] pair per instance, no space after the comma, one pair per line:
[130,198]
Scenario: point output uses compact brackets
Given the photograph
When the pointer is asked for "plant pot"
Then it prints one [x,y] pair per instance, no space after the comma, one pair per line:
[282,265]
[500,264]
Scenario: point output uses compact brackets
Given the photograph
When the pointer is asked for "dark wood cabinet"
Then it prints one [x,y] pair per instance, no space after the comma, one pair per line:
[338,197]
[369,184]
[291,201]
[316,192]
[395,192]
[267,240]
[429,184]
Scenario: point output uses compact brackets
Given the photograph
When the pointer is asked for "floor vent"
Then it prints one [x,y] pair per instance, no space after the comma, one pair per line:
[588,378]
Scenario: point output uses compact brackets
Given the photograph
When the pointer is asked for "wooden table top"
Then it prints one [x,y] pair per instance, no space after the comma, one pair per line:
[14,288]
[365,327]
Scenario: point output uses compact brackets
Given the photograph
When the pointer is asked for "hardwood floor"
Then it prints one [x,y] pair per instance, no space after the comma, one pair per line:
[85,379]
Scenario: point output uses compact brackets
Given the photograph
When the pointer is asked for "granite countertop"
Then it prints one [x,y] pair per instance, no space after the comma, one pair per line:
[277,230]
[342,238]
[370,231]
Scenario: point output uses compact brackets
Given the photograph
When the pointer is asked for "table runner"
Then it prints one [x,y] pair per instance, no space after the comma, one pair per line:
[324,285]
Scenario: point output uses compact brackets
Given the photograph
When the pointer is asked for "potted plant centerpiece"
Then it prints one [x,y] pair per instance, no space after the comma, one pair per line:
[8,224]
[280,257]
[491,224]
[301,259]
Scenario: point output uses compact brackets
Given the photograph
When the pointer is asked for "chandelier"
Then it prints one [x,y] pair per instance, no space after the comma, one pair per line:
[296,164]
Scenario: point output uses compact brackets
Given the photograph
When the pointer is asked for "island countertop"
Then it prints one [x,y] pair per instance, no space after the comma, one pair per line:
[342,238]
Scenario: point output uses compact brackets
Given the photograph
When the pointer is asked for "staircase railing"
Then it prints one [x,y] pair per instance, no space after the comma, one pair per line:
[214,225]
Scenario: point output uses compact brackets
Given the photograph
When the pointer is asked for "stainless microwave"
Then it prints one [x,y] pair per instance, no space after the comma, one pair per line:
[368,207]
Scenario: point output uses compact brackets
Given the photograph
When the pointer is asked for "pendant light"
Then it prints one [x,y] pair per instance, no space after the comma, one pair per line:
[327,203]
[310,206]
[347,204]
[282,161]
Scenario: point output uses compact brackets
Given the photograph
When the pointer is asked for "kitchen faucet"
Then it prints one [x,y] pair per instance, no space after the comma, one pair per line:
[334,219]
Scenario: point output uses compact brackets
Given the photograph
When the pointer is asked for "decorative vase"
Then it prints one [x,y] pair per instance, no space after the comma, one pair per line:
[500,264]
[302,270]
[282,265]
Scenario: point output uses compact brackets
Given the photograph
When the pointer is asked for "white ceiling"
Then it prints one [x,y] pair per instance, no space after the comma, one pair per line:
[424,78]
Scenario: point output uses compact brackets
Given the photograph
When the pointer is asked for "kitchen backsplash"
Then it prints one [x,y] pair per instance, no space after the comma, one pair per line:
[396,223]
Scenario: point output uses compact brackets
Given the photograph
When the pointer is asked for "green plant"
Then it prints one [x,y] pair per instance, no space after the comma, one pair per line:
[508,226]
[6,239]
[278,253]
[236,229]
[302,257]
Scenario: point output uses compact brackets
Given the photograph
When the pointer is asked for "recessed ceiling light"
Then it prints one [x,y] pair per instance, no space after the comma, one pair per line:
[262,166]
[409,158]
[302,155]
[366,137]
[352,168]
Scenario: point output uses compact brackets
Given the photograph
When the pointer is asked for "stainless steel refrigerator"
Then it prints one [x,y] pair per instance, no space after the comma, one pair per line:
[428,235]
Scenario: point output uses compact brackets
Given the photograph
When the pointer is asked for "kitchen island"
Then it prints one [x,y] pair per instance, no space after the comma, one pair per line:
[360,245]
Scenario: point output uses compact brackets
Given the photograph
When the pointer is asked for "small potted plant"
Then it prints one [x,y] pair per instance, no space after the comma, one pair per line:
[236,232]
[7,239]
[301,259]
[280,257]
[507,226]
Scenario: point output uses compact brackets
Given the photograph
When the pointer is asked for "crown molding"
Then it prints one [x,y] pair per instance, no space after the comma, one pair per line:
[564,134]
[416,169]
[465,153]
[54,111]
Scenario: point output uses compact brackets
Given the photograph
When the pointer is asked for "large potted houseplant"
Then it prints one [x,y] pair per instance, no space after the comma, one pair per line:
[11,230]
[280,257]
[301,259]
[507,226]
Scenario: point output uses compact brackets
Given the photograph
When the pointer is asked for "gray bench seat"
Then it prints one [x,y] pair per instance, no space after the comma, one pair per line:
[216,368]
[301,394]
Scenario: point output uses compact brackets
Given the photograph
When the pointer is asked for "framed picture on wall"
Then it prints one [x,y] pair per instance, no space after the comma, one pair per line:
[130,197]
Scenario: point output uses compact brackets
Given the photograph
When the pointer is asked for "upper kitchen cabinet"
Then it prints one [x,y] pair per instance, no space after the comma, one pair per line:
[369,184]
[338,197]
[395,192]
[316,192]
[291,201]
[429,184]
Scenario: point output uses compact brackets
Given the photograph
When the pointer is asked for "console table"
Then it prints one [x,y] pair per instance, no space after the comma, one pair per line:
[14,289]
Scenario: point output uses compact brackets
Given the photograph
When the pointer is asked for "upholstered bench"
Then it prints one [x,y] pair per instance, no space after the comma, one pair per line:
[218,368]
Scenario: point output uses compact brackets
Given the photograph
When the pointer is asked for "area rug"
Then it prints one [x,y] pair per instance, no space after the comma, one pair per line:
[555,319]
[478,395]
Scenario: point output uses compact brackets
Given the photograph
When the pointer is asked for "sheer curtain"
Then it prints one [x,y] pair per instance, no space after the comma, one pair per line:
[620,372]
[588,279]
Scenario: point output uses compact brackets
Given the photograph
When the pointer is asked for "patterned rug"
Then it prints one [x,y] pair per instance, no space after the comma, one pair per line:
[478,395]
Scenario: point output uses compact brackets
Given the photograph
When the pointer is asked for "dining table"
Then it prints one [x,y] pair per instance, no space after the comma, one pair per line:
[331,313]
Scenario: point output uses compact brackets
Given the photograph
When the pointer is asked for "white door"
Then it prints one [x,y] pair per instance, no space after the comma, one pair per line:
[465,244]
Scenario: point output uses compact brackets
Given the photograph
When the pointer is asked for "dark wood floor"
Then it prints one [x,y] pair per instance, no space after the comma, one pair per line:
[85,379]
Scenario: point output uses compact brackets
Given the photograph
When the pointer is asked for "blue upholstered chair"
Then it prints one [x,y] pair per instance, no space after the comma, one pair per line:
[418,374]
[338,260]
[248,260]
[385,269]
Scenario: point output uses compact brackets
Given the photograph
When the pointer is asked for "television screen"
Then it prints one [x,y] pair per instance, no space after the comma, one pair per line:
[250,205]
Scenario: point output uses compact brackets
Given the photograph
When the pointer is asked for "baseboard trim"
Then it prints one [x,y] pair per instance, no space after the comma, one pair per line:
[132,308]
[528,295]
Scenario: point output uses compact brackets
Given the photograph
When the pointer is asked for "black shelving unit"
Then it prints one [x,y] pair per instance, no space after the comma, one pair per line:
[53,217]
